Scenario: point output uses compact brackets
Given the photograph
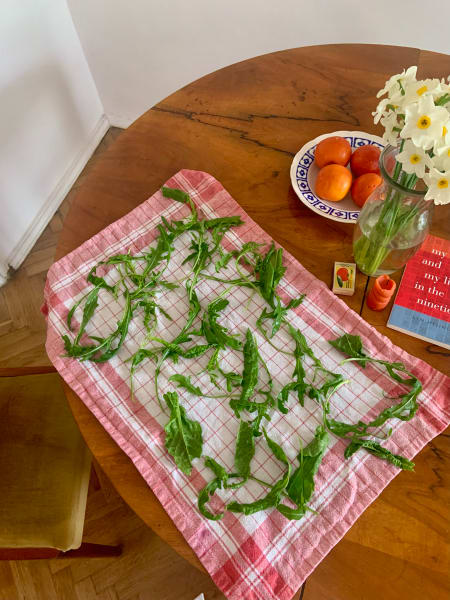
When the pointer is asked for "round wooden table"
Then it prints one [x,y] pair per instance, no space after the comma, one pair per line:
[243,124]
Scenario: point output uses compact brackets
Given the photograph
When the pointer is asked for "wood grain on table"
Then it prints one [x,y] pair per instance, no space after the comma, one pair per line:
[243,124]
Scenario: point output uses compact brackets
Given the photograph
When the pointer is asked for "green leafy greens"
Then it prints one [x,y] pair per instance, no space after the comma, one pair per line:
[183,436]
[250,393]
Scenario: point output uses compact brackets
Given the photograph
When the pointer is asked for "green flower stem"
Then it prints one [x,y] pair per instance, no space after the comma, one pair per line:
[398,166]
[442,100]
[375,261]
[371,251]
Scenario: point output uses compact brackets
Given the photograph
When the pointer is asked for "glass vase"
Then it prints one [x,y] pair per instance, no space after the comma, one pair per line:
[393,222]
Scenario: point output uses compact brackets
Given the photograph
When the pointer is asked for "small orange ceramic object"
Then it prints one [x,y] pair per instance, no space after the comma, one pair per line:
[382,291]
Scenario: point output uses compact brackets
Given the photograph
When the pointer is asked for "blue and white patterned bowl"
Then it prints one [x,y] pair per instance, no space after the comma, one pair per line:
[304,172]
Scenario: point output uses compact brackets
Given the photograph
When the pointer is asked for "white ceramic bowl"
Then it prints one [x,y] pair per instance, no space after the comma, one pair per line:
[304,172]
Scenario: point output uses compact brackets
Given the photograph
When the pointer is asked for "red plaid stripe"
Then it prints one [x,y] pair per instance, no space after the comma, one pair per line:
[260,556]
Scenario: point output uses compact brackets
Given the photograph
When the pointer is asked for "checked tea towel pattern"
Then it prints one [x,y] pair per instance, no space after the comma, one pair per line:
[263,556]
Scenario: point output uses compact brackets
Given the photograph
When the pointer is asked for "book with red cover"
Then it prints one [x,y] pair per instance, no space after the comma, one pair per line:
[422,305]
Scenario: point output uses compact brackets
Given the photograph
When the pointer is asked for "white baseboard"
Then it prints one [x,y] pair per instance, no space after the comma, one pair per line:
[51,205]
[3,273]
[120,121]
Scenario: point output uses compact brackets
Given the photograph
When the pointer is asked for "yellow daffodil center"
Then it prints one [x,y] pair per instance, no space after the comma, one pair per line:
[448,152]
[442,184]
[444,131]
[422,90]
[424,122]
[414,159]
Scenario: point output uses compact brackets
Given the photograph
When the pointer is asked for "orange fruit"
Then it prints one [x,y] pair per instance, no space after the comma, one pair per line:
[390,164]
[332,150]
[333,182]
[363,186]
[365,160]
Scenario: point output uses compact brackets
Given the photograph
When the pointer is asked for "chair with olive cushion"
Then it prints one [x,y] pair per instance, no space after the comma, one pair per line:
[44,470]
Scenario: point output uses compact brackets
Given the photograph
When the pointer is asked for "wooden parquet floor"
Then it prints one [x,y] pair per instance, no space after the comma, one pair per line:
[148,568]
[22,326]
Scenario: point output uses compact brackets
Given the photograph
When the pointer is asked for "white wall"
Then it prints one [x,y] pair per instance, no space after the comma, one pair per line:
[140,51]
[51,119]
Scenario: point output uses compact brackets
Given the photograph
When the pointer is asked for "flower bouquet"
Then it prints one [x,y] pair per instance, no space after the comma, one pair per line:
[415,167]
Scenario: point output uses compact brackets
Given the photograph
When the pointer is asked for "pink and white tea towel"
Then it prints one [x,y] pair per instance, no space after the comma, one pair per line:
[261,556]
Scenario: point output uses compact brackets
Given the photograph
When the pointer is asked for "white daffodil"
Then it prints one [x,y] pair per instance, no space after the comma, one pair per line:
[442,143]
[445,94]
[391,128]
[442,161]
[445,86]
[424,122]
[441,158]
[413,159]
[384,108]
[397,82]
[380,110]
[438,183]
[414,90]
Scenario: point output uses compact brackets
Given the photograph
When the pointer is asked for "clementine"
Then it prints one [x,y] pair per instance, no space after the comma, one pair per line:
[365,160]
[363,186]
[334,150]
[333,182]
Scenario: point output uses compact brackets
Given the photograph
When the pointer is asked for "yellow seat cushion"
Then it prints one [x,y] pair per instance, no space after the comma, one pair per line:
[44,466]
